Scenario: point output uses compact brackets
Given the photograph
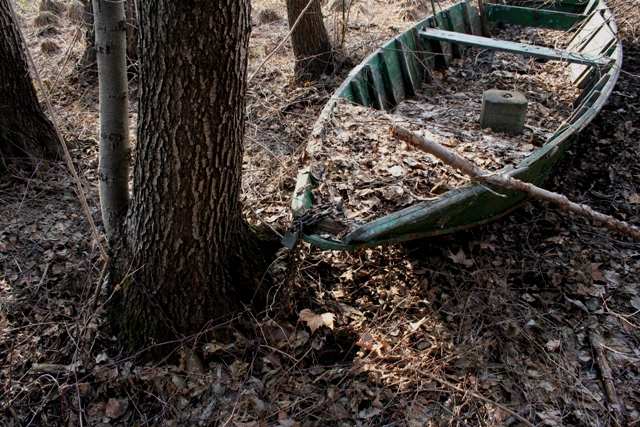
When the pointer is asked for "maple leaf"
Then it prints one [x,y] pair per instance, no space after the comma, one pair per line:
[315,321]
[460,258]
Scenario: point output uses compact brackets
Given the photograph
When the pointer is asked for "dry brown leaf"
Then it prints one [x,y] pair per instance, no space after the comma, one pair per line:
[396,170]
[338,293]
[414,326]
[596,274]
[558,240]
[482,244]
[299,338]
[596,291]
[277,333]
[461,258]
[372,343]
[249,424]
[215,346]
[315,321]
[347,276]
[613,278]
[369,413]
[339,412]
[553,345]
[115,408]
[366,341]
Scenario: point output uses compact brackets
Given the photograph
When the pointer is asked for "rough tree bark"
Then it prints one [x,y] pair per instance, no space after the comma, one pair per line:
[310,41]
[24,129]
[115,149]
[184,238]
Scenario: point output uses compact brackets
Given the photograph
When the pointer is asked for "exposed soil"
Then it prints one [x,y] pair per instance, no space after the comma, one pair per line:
[512,323]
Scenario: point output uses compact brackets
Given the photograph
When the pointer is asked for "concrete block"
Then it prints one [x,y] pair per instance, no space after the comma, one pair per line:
[503,111]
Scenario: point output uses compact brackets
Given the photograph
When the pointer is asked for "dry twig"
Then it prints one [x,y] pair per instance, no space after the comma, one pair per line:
[619,412]
[506,181]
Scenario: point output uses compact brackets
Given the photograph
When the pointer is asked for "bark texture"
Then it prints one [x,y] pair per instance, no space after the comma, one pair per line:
[310,41]
[115,149]
[24,129]
[185,238]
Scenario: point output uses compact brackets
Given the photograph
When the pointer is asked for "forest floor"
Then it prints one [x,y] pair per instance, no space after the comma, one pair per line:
[510,323]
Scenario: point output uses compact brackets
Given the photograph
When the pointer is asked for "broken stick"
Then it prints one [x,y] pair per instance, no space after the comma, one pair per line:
[619,410]
[507,181]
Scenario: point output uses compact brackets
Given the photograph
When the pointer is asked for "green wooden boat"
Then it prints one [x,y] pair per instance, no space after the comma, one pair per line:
[397,70]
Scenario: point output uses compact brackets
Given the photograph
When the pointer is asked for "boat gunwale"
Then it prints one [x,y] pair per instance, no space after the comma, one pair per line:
[376,233]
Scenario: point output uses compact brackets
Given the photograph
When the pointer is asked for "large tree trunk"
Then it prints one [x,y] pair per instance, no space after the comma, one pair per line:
[115,149]
[24,129]
[184,236]
[310,40]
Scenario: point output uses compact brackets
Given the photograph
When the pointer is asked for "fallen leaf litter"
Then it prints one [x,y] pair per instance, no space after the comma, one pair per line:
[414,325]
[364,174]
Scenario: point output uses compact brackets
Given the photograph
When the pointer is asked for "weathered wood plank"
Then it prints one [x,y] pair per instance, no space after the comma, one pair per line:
[590,6]
[587,30]
[517,48]
[422,65]
[451,26]
[594,38]
[591,85]
[557,6]
[529,17]
[408,78]
[446,48]
[456,18]
[359,93]
[391,76]
[376,88]
[472,19]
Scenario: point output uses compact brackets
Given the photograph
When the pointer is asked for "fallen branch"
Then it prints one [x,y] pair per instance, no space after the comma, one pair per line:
[619,411]
[510,182]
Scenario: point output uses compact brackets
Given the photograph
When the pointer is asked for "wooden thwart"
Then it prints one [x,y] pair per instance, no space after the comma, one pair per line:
[513,47]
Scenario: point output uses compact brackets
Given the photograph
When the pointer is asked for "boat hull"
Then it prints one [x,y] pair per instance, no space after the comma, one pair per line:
[396,71]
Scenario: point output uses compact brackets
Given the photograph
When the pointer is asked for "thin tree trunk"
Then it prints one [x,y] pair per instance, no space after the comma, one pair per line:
[88,63]
[115,149]
[185,237]
[24,129]
[310,40]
